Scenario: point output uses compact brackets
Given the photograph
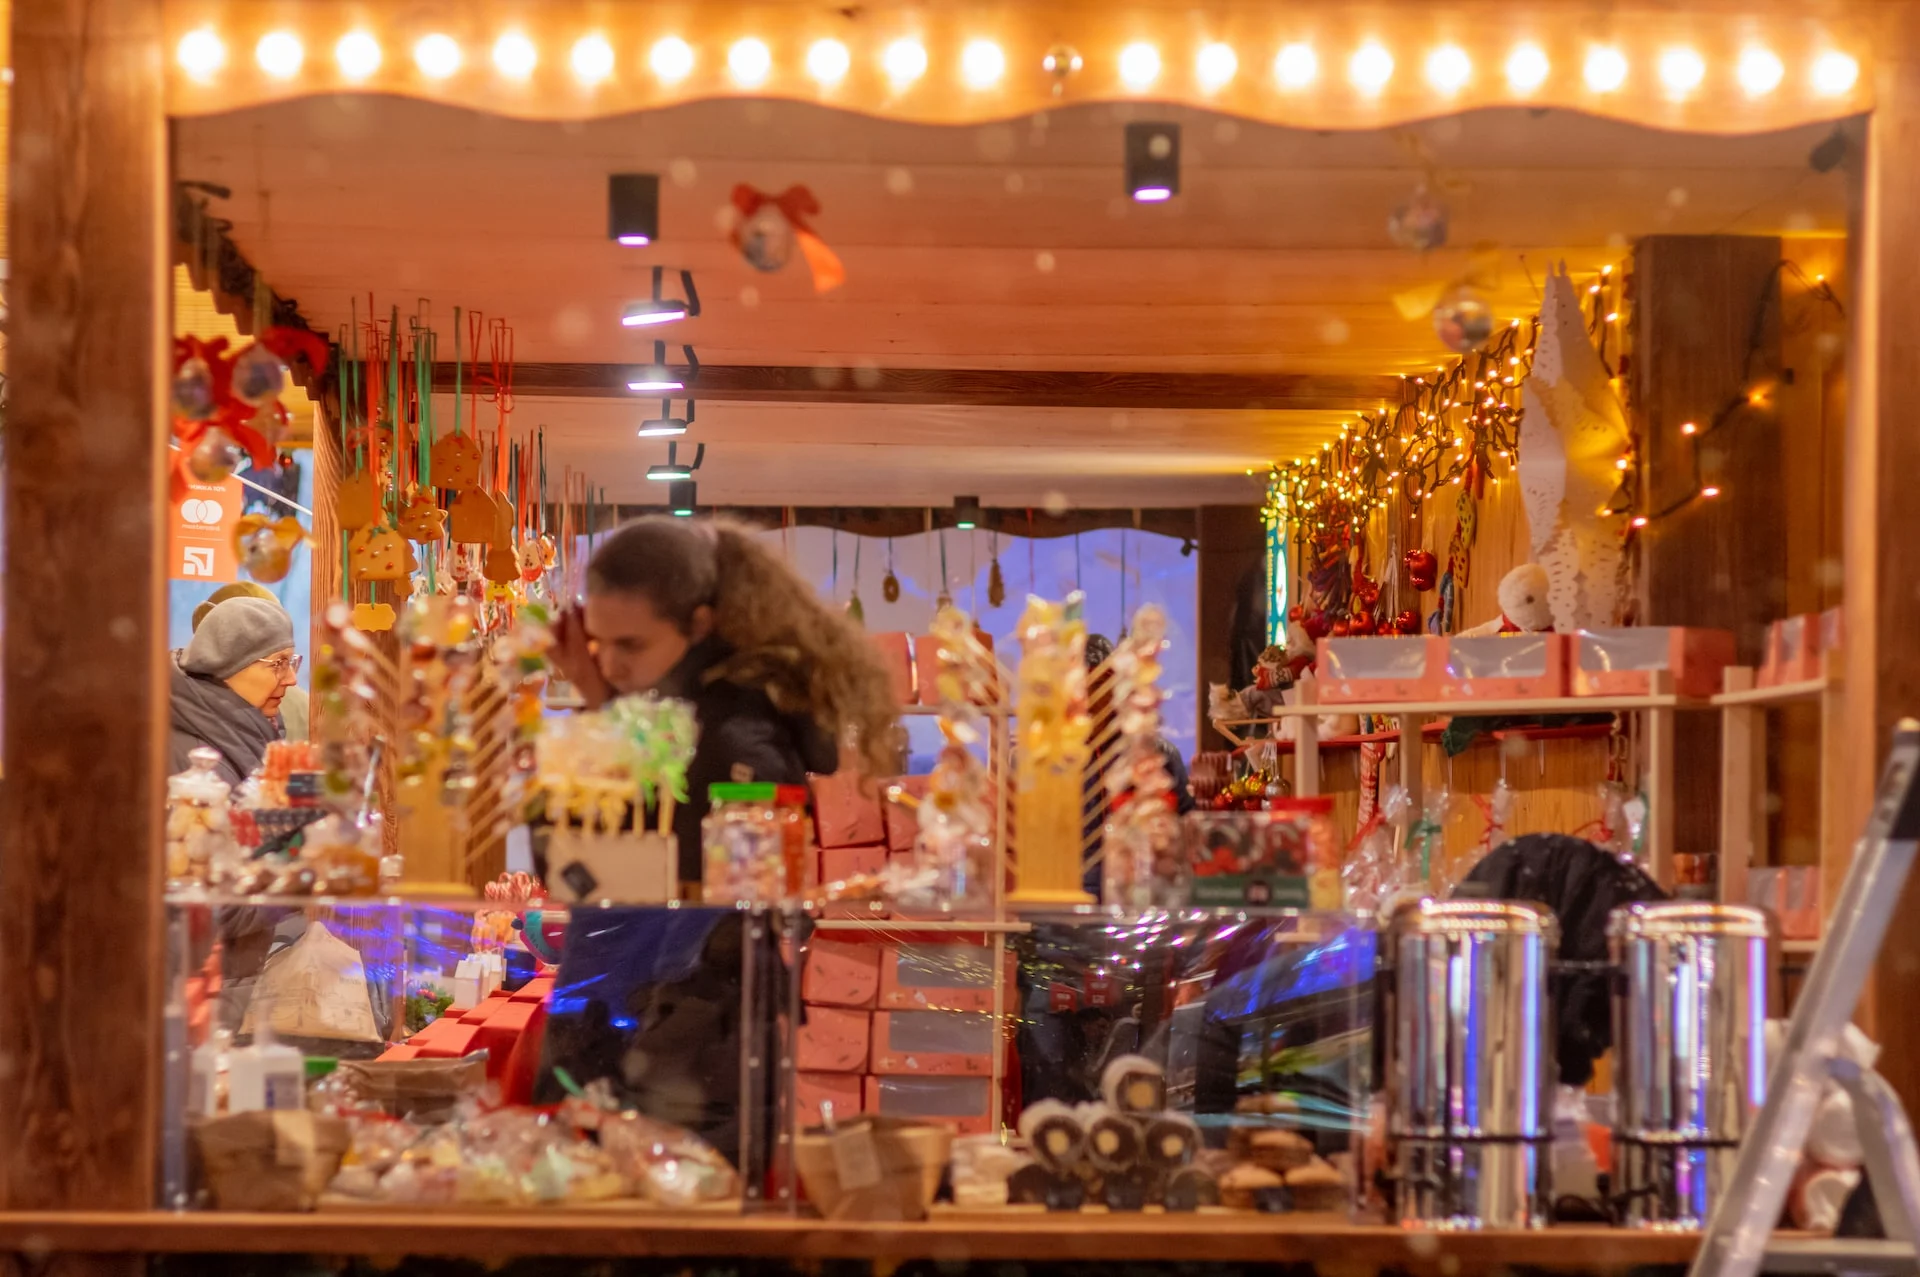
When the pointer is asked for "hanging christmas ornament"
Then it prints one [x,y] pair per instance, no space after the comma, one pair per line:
[456,463]
[1419,222]
[996,583]
[258,375]
[855,608]
[193,396]
[421,519]
[1061,62]
[1423,569]
[770,225]
[890,584]
[1462,320]
[945,600]
[264,546]
[214,457]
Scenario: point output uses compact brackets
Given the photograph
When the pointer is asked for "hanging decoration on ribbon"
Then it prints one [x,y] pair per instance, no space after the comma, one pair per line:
[226,408]
[770,225]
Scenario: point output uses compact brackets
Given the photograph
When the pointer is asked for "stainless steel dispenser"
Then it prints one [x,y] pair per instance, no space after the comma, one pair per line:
[1470,1069]
[1689,1045]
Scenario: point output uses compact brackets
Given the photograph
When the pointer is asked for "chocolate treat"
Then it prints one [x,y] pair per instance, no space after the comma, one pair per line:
[1317,1186]
[1037,1186]
[1243,1187]
[1277,1150]
[1113,1141]
[1190,1188]
[1134,1084]
[1055,1133]
[1125,1192]
[1168,1140]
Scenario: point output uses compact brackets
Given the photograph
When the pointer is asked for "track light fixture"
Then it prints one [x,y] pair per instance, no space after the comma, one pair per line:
[966,512]
[666,425]
[657,378]
[633,208]
[673,471]
[663,310]
[1153,161]
[683,498]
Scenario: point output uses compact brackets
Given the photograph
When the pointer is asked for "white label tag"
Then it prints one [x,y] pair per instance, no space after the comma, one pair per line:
[855,1158]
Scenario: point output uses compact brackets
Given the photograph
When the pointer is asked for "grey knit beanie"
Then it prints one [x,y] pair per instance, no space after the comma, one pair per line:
[235,635]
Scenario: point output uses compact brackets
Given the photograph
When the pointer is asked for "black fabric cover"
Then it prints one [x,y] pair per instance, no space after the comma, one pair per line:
[1582,884]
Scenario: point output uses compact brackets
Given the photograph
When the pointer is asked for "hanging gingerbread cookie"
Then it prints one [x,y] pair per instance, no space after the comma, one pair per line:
[357,502]
[456,463]
[474,519]
[422,519]
[380,554]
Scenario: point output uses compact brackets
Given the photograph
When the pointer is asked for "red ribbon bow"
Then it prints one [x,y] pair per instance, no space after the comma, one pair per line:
[796,204]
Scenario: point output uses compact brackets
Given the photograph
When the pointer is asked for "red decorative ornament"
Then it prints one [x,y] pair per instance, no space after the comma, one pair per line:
[1408,622]
[1316,625]
[1341,629]
[1423,569]
[205,404]
[1362,623]
[795,204]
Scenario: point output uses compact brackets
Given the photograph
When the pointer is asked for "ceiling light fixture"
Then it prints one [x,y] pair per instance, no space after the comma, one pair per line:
[1681,71]
[592,59]
[673,471]
[280,54]
[358,54]
[828,61]
[437,56]
[663,310]
[1216,66]
[1759,71]
[1834,73]
[1296,66]
[201,54]
[1606,69]
[904,61]
[1152,161]
[966,513]
[657,378]
[1370,68]
[671,59]
[633,208]
[683,498]
[1139,65]
[666,425]
[1527,68]
[514,56]
[750,62]
[982,64]
[1449,68]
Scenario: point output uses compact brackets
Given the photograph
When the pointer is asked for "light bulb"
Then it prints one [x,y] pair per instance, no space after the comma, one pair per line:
[1370,68]
[591,59]
[1449,68]
[749,61]
[201,54]
[1295,66]
[1759,72]
[1527,68]
[1681,71]
[437,56]
[1215,66]
[982,64]
[514,56]
[280,54]
[1139,65]
[1606,69]
[671,59]
[1834,73]
[904,61]
[828,60]
[358,55]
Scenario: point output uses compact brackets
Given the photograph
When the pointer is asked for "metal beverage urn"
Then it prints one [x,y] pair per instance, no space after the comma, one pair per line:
[1469,1063]
[1690,1056]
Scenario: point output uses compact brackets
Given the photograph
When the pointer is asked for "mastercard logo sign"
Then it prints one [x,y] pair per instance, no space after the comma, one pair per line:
[201,511]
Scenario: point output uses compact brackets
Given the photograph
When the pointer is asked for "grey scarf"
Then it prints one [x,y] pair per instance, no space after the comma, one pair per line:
[206,711]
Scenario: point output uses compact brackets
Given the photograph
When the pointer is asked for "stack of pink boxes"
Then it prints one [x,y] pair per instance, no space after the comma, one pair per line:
[898,1023]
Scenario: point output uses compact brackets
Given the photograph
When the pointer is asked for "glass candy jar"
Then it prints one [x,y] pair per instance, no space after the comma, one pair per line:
[743,845]
[201,850]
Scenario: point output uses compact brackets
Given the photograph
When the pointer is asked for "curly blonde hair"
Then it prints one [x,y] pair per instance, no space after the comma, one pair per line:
[808,657]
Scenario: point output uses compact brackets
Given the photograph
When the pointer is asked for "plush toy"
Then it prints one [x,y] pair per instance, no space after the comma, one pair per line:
[1524,608]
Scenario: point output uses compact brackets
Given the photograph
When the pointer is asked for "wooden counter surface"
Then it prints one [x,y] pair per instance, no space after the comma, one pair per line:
[501,1235]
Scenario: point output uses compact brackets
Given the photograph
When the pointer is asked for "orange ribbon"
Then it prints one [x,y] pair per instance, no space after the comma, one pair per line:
[796,204]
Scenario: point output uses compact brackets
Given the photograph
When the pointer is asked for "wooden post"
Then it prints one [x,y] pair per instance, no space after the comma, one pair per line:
[1882,557]
[1743,787]
[85,662]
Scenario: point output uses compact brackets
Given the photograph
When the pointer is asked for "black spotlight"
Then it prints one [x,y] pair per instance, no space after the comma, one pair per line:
[1153,161]
[682,496]
[633,208]
[966,512]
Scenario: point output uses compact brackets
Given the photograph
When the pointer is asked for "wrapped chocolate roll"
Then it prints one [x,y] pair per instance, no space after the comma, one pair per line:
[1168,1140]
[1190,1188]
[1134,1084]
[1114,1145]
[1056,1134]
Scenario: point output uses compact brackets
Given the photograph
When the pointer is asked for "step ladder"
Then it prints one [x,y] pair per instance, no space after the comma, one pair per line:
[1740,1240]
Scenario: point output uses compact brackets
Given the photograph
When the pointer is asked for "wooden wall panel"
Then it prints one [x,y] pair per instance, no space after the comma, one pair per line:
[85,705]
[1233,542]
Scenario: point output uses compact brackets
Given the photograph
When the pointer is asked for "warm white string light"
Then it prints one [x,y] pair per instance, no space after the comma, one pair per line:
[671,59]
[1759,71]
[437,55]
[514,56]
[1215,66]
[749,61]
[1449,68]
[1527,68]
[280,54]
[1681,71]
[201,54]
[982,64]
[1834,73]
[1139,65]
[591,59]
[828,61]
[1296,66]
[1370,68]
[357,54]
[1606,69]
[904,61]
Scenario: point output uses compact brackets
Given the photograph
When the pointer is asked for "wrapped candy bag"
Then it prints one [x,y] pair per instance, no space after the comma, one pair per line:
[1373,875]
[953,847]
[1140,847]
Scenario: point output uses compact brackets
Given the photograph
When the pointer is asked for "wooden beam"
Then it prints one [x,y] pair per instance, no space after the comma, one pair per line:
[906,521]
[973,387]
[85,719]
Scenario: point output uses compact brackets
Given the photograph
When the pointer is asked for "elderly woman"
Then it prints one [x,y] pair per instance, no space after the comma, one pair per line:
[228,683]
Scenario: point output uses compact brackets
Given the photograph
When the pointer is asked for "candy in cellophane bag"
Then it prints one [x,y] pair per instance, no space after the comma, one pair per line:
[953,845]
[1140,844]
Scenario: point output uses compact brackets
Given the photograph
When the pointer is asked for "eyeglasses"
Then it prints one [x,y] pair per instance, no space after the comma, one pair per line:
[285,667]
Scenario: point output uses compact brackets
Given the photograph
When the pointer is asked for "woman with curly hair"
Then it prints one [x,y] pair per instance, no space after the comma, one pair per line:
[707,613]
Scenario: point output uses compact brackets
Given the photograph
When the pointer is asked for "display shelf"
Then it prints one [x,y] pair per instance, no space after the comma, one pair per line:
[979,926]
[231,900]
[499,1235]
[1516,705]
[1779,694]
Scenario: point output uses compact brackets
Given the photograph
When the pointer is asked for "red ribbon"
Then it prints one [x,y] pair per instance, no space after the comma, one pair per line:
[796,204]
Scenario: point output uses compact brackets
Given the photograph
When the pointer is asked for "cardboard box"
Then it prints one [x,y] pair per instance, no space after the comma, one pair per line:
[400,1051]
[837,864]
[1376,668]
[896,653]
[843,1090]
[927,976]
[1504,667]
[1793,651]
[947,1043]
[501,1031]
[536,990]
[486,1009]
[832,1040]
[963,1103]
[903,822]
[1622,661]
[447,1039]
[846,810]
[839,973]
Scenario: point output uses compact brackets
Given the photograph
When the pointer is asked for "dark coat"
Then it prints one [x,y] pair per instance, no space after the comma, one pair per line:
[205,711]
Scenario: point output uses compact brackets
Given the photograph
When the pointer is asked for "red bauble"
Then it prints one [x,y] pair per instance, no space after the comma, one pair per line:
[1316,625]
[1423,570]
[1361,624]
[1296,612]
[1407,622]
[1341,629]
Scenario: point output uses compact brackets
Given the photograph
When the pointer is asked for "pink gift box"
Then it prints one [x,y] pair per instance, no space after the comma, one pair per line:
[1504,666]
[537,990]
[837,864]
[832,1040]
[1375,668]
[896,653]
[846,810]
[964,1103]
[843,1090]
[903,822]
[949,1043]
[936,976]
[1622,661]
[840,974]
[1793,651]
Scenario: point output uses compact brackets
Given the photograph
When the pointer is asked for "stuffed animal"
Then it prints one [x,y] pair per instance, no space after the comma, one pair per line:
[1523,604]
